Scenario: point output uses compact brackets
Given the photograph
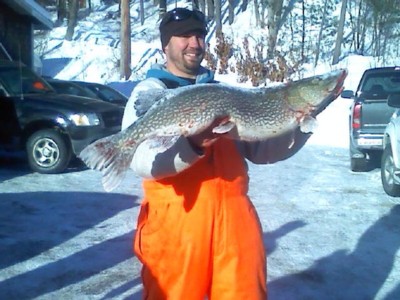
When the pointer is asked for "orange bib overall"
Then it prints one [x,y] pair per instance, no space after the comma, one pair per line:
[198,234]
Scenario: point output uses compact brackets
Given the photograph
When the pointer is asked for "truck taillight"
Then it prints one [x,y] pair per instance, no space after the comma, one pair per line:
[356,116]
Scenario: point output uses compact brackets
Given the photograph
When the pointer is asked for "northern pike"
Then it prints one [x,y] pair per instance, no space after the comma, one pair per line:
[255,113]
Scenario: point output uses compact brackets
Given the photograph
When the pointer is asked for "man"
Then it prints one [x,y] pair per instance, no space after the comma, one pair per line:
[198,234]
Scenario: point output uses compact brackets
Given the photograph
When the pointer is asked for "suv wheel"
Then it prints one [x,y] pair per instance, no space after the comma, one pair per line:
[388,173]
[48,152]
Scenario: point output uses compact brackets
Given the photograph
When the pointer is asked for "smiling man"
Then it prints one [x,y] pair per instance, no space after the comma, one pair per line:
[198,234]
[183,42]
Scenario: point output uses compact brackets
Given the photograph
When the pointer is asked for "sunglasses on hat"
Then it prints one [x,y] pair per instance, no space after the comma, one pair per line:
[180,14]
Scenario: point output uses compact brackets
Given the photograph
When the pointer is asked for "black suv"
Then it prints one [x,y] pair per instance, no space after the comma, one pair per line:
[52,128]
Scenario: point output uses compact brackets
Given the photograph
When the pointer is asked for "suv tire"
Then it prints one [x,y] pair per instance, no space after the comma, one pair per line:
[387,173]
[358,164]
[48,152]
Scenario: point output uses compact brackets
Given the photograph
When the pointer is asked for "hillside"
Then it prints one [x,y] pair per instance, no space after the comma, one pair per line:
[93,54]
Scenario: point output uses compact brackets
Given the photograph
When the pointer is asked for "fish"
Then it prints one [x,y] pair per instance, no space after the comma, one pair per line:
[255,114]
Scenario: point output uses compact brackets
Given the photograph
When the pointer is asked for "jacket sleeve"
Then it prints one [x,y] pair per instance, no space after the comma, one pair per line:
[274,149]
[151,161]
[131,112]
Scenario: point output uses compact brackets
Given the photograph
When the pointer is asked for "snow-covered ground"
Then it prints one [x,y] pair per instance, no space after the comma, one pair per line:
[330,233]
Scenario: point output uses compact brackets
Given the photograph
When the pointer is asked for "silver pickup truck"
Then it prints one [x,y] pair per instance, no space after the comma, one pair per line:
[369,115]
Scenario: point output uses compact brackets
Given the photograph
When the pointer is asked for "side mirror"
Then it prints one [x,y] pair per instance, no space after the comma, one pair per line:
[394,100]
[348,94]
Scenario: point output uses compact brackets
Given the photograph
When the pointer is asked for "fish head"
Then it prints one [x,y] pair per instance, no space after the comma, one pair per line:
[311,93]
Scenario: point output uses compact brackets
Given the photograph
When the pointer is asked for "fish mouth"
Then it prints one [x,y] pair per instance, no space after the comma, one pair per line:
[338,88]
[333,93]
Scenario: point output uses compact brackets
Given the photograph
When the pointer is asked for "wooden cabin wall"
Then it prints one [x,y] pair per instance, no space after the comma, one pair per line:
[16,36]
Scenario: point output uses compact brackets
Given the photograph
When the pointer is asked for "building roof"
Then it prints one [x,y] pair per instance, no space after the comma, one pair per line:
[29,8]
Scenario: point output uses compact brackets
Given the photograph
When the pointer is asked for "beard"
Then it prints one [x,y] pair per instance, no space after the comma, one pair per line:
[185,61]
[191,61]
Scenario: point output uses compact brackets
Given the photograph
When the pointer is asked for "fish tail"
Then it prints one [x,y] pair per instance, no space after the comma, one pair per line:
[105,156]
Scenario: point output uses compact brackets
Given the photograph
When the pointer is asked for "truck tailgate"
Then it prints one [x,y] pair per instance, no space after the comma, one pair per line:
[375,115]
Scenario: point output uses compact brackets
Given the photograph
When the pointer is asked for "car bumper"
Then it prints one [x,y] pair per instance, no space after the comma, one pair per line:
[84,136]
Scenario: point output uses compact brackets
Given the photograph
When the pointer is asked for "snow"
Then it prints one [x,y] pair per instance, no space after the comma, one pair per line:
[330,233]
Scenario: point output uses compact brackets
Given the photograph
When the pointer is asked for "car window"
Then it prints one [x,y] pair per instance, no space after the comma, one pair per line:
[19,81]
[384,83]
[104,92]
[70,89]
[110,94]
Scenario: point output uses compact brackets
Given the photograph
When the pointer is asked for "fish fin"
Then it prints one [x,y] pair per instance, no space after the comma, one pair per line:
[224,128]
[162,143]
[103,155]
[308,124]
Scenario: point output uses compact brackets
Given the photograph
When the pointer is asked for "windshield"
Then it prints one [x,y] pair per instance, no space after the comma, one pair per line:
[110,94]
[106,93]
[22,80]
[382,83]
[69,88]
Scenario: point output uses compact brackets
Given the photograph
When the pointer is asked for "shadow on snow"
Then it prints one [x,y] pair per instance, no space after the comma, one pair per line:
[35,222]
[347,275]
